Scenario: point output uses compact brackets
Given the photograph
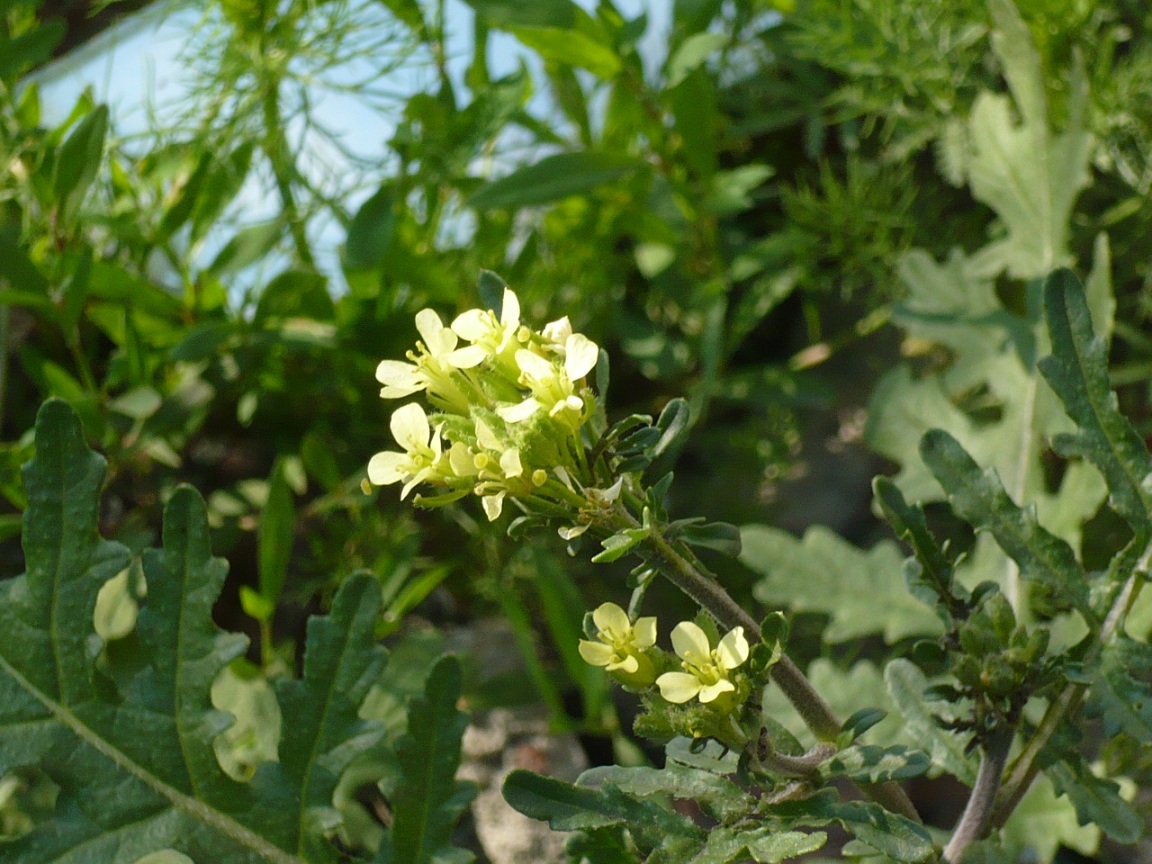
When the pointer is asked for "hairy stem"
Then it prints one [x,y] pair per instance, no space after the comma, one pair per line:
[699,584]
[977,817]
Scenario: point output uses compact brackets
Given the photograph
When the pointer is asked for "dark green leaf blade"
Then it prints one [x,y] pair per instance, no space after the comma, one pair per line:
[325,733]
[979,497]
[428,799]
[552,178]
[1078,372]
[78,161]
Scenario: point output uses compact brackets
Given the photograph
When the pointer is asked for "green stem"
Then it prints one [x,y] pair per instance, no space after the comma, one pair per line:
[1026,766]
[702,586]
[4,313]
[283,169]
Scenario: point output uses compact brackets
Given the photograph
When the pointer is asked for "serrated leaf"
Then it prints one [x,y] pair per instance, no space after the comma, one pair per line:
[136,767]
[895,836]
[1078,372]
[869,763]
[979,497]
[1042,823]
[428,799]
[763,845]
[906,685]
[1096,799]
[931,582]
[1121,690]
[718,796]
[862,591]
[569,808]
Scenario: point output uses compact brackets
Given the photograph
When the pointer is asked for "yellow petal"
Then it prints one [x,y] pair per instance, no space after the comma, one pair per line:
[580,356]
[510,310]
[410,427]
[627,664]
[678,687]
[733,649]
[644,632]
[510,463]
[493,506]
[611,619]
[711,691]
[387,467]
[518,413]
[690,642]
[596,653]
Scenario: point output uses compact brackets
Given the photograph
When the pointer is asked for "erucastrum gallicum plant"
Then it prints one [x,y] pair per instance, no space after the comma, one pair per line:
[513,419]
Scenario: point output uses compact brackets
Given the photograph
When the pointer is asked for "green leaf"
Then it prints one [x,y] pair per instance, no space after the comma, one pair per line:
[870,763]
[569,808]
[764,845]
[78,161]
[16,268]
[906,685]
[277,529]
[1078,372]
[862,591]
[1096,799]
[895,836]
[515,13]
[248,246]
[979,497]
[29,49]
[691,54]
[717,795]
[428,799]
[1121,690]
[1042,823]
[553,178]
[371,230]
[136,767]
[572,48]
[931,581]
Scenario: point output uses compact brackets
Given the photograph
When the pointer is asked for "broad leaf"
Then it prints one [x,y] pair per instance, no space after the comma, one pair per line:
[862,591]
[134,760]
[1096,799]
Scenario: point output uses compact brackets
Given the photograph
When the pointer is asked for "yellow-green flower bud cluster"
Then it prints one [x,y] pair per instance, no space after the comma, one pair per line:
[626,649]
[509,403]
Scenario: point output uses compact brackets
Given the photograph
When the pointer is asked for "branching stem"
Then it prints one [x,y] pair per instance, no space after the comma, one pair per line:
[697,582]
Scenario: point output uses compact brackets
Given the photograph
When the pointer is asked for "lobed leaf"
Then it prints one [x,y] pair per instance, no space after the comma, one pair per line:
[1121,690]
[862,591]
[133,755]
[429,799]
[979,497]
[1078,372]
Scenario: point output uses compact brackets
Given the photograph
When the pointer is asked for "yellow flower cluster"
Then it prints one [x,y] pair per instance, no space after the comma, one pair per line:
[623,648]
[508,407]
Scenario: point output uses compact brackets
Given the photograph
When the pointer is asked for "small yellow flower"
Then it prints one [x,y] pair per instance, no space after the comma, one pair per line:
[490,337]
[554,388]
[419,462]
[706,669]
[620,644]
[435,359]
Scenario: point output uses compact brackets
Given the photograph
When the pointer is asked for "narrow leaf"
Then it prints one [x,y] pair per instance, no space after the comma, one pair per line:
[979,497]
[428,799]
[553,178]
[78,162]
[1078,372]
